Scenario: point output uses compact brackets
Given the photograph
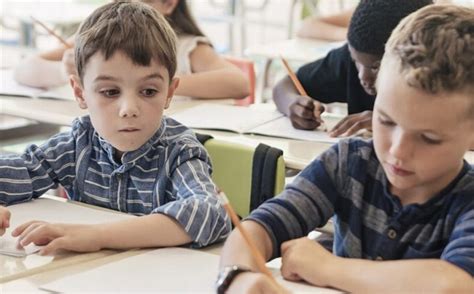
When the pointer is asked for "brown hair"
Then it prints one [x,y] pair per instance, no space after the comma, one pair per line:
[133,28]
[182,21]
[434,48]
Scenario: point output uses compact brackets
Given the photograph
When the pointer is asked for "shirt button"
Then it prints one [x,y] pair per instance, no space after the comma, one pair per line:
[379,258]
[392,234]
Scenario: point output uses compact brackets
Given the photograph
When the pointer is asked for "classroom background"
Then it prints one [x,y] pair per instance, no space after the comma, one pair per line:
[257,32]
[253,32]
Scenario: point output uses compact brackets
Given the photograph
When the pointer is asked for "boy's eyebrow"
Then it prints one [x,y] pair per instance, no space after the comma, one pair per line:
[105,78]
[112,78]
[383,113]
[156,75]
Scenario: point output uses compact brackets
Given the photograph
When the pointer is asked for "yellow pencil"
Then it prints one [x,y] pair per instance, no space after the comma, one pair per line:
[51,32]
[259,260]
[296,82]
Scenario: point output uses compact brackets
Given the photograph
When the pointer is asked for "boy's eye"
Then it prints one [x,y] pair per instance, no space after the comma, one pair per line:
[110,93]
[386,122]
[429,140]
[149,92]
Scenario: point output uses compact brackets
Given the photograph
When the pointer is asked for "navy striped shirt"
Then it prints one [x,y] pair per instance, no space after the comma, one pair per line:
[170,174]
[348,182]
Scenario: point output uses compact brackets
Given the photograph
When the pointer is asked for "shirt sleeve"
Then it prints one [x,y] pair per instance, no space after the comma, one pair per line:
[460,248]
[326,79]
[196,205]
[37,170]
[305,204]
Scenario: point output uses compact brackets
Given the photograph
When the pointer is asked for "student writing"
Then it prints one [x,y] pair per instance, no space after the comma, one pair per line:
[346,74]
[402,202]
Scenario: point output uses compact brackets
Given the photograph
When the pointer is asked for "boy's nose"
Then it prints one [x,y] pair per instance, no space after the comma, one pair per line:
[401,148]
[366,77]
[129,108]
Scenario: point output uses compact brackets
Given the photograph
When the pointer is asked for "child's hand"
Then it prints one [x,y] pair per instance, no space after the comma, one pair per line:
[256,283]
[351,124]
[4,220]
[80,238]
[305,113]
[304,259]
[69,63]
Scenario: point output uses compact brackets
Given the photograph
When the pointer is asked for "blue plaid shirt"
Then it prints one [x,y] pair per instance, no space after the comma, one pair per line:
[348,182]
[169,174]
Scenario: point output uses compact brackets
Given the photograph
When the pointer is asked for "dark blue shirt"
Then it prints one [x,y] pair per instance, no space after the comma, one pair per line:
[348,182]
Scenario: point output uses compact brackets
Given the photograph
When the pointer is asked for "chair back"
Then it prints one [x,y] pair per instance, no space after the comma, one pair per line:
[248,67]
[248,175]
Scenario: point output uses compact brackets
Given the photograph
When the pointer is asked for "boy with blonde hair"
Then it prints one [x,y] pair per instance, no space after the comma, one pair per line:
[403,203]
[125,155]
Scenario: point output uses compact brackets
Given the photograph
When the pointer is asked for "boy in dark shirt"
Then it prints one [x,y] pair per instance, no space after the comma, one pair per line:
[346,74]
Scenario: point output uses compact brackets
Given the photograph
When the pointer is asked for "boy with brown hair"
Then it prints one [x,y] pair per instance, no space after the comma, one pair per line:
[403,203]
[125,155]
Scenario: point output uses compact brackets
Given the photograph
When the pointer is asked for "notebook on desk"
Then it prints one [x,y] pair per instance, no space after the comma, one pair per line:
[9,87]
[256,119]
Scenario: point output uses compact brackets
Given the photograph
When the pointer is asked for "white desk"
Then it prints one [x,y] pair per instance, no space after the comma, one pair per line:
[52,209]
[167,269]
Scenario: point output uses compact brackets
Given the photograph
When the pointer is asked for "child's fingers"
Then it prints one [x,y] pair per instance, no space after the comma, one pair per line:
[18,230]
[54,246]
[4,218]
[30,235]
[306,102]
[302,111]
[303,124]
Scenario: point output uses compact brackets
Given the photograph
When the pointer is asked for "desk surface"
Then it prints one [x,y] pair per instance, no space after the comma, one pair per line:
[52,209]
[166,269]
[302,50]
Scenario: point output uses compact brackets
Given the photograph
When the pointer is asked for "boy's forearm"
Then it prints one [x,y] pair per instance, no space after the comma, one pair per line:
[284,94]
[236,250]
[214,84]
[155,230]
[31,71]
[416,275]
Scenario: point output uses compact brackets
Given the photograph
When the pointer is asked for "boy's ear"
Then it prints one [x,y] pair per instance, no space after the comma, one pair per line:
[78,91]
[171,89]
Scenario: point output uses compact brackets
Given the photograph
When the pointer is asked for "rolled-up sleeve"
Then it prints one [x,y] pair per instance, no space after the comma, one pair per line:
[196,205]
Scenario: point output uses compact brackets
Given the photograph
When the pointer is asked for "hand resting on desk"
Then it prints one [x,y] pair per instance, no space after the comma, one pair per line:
[79,238]
[352,124]
[4,219]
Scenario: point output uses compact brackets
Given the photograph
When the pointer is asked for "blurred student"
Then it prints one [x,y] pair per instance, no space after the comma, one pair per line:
[330,28]
[202,72]
[347,74]
[124,155]
[403,203]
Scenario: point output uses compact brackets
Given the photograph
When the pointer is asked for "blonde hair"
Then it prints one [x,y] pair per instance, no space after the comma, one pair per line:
[434,48]
[132,28]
